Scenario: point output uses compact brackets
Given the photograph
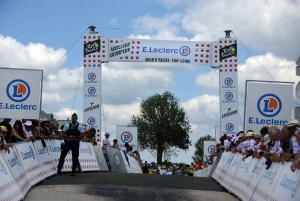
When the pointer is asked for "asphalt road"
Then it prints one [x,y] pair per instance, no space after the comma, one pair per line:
[117,186]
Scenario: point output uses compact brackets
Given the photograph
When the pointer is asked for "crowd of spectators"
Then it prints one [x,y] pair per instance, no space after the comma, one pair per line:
[272,143]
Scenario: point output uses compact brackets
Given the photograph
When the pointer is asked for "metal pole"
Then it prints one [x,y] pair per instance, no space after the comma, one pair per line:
[101,99]
[38,125]
[245,102]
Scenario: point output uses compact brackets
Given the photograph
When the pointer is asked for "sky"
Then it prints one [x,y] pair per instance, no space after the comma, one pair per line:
[37,34]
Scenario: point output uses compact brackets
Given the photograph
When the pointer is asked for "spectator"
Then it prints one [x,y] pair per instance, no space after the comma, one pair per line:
[6,123]
[115,144]
[4,146]
[106,142]
[18,134]
[264,131]
[191,173]
[27,127]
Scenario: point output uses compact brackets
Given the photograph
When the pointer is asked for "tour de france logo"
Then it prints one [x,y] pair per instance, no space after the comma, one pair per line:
[126,137]
[91,76]
[269,105]
[18,90]
[229,127]
[228,81]
[91,121]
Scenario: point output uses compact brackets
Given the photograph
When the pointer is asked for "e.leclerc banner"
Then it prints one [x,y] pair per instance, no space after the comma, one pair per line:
[268,104]
[20,91]
[125,134]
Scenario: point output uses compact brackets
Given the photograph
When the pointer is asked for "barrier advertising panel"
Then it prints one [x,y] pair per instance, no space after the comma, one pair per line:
[132,165]
[46,161]
[87,158]
[30,162]
[288,185]
[16,168]
[267,182]
[267,104]
[116,160]
[20,91]
[220,165]
[55,150]
[232,169]
[9,189]
[208,148]
[100,157]
[126,134]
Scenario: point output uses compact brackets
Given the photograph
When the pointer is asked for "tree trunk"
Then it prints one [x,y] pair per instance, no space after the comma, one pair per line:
[159,156]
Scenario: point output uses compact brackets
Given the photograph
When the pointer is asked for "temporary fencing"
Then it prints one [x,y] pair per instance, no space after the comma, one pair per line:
[249,180]
[29,163]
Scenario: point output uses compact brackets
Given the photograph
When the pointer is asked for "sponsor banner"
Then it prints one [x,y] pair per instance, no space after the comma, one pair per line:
[16,168]
[220,165]
[128,135]
[9,189]
[91,76]
[208,148]
[228,98]
[100,157]
[267,104]
[229,127]
[87,158]
[267,182]
[95,50]
[92,107]
[225,168]
[20,91]
[91,92]
[231,171]
[92,120]
[46,161]
[30,162]
[288,185]
[54,147]
[159,51]
[230,113]
[116,161]
[228,81]
[132,165]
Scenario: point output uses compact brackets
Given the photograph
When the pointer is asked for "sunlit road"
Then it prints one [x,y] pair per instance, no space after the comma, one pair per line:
[133,187]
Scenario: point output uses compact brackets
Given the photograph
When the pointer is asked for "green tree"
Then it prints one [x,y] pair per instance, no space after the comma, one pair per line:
[199,145]
[163,126]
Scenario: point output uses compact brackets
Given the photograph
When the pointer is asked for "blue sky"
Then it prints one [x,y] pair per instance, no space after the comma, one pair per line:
[58,24]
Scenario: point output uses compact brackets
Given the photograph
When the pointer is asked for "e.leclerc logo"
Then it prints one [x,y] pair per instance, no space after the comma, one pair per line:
[91,121]
[91,92]
[18,91]
[229,83]
[268,105]
[28,154]
[229,98]
[229,129]
[211,148]
[91,78]
[184,50]
[126,137]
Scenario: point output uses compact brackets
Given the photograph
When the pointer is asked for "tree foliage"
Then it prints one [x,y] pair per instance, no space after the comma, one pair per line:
[199,145]
[163,125]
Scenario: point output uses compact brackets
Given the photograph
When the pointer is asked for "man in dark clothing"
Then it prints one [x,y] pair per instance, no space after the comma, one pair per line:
[72,133]
[5,123]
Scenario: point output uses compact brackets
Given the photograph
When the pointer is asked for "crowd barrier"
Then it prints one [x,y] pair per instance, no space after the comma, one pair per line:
[249,180]
[120,162]
[29,163]
[203,172]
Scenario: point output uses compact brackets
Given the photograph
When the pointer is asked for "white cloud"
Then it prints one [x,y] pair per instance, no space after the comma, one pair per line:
[113,20]
[259,24]
[174,3]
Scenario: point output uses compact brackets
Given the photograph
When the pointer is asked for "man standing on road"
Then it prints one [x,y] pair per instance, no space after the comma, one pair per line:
[72,133]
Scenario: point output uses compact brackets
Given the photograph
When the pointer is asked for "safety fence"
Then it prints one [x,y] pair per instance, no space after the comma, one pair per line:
[31,162]
[249,180]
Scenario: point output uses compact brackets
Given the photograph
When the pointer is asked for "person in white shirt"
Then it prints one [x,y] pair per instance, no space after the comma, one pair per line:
[27,127]
[106,142]
[227,142]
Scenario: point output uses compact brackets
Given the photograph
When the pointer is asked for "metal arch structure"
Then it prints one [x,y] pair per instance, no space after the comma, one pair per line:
[220,54]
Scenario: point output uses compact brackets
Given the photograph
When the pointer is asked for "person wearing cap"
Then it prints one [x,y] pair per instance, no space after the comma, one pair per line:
[6,123]
[44,129]
[53,131]
[3,145]
[106,142]
[72,134]
[27,127]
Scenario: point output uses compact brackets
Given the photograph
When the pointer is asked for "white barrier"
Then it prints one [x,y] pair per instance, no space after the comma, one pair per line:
[134,164]
[203,172]
[250,180]
[46,161]
[9,189]
[30,162]
[100,157]
[55,150]
[87,158]
[16,168]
